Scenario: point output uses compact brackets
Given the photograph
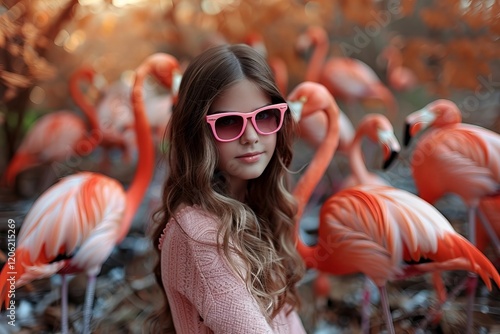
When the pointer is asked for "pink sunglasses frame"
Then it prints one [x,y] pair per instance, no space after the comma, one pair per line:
[211,119]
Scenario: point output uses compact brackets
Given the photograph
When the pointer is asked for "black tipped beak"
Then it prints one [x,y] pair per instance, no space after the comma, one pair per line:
[392,157]
[407,135]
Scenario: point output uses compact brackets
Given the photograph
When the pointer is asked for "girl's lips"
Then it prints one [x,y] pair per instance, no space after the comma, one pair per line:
[250,158]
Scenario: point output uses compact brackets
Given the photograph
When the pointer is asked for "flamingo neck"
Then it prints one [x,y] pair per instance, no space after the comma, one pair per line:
[280,71]
[317,60]
[146,156]
[356,161]
[394,59]
[385,95]
[313,174]
[93,136]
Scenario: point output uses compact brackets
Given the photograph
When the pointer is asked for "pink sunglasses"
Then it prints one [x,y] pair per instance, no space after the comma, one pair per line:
[229,126]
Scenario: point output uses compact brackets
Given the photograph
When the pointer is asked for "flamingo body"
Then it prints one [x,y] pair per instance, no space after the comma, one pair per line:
[376,229]
[346,78]
[54,137]
[77,220]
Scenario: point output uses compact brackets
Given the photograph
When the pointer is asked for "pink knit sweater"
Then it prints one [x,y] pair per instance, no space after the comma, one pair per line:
[204,293]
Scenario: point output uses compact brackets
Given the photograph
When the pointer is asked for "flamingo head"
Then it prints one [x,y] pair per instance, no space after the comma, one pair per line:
[313,35]
[162,66]
[176,83]
[436,114]
[380,130]
[311,97]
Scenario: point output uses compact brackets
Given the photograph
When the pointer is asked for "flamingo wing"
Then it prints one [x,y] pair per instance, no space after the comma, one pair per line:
[348,76]
[427,234]
[360,236]
[374,229]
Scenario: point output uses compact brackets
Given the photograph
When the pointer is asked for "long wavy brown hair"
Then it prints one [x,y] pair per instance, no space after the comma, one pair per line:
[261,228]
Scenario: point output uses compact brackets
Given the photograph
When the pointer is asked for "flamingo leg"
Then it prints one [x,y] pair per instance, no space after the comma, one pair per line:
[89,300]
[64,304]
[365,308]
[437,310]
[489,229]
[384,299]
[471,277]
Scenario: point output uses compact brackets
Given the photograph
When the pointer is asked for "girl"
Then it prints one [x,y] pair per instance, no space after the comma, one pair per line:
[225,232]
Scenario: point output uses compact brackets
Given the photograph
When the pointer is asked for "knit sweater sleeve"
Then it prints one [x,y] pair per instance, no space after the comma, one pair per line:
[198,277]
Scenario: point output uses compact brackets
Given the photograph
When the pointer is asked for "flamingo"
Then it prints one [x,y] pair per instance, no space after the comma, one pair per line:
[379,130]
[75,224]
[454,157]
[346,78]
[277,64]
[451,150]
[399,77]
[59,135]
[373,229]
[114,110]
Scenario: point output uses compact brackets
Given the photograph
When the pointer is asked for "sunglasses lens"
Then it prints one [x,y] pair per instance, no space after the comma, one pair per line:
[268,120]
[228,127]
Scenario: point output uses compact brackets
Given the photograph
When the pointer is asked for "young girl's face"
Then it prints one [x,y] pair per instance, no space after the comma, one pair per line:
[246,157]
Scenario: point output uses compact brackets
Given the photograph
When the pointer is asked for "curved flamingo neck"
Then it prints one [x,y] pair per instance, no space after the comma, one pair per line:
[320,42]
[88,109]
[356,160]
[280,71]
[314,172]
[146,156]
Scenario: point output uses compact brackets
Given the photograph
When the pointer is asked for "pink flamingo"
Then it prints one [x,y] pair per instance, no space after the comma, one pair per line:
[75,224]
[399,77]
[346,78]
[114,111]
[379,231]
[58,136]
[277,64]
[458,158]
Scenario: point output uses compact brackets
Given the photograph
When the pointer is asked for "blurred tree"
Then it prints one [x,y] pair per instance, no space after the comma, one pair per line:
[26,33]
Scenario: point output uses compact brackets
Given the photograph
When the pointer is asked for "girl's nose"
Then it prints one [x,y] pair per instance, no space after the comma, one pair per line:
[250,135]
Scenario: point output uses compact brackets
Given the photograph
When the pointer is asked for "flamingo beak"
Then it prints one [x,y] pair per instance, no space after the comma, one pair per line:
[407,135]
[416,122]
[296,108]
[391,147]
[388,162]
